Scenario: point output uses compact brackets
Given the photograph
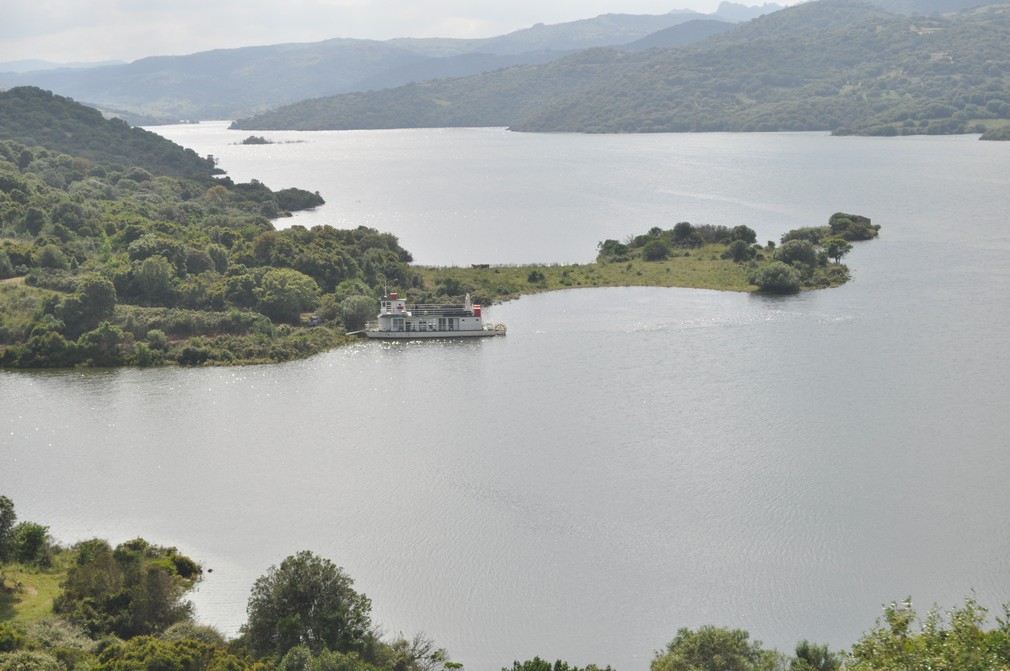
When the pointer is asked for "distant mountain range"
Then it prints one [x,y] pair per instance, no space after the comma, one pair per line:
[232,83]
[845,66]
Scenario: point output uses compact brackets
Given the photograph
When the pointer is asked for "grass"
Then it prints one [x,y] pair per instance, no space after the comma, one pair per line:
[27,593]
[698,269]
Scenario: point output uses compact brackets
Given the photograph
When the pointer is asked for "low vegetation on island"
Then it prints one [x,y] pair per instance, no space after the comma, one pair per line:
[701,257]
[105,262]
[95,607]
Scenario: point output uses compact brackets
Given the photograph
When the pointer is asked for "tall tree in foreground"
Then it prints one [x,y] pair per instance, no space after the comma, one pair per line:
[309,601]
[716,649]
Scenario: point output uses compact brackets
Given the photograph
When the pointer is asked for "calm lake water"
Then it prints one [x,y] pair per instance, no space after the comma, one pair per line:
[627,461]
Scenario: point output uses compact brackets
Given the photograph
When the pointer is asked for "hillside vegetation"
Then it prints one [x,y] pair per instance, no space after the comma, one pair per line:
[834,65]
[33,117]
[106,263]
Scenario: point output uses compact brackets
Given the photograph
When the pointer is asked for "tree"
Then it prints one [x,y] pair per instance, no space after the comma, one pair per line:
[745,233]
[50,256]
[284,294]
[682,232]
[417,654]
[154,278]
[6,267]
[797,251]
[715,649]
[93,302]
[7,520]
[136,589]
[776,277]
[309,601]
[837,248]
[355,311]
[656,250]
[955,640]
[30,544]
[102,346]
[811,657]
[739,251]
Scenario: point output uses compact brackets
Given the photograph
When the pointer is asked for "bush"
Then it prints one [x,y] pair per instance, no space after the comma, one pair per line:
[776,277]
[6,267]
[30,544]
[29,660]
[355,311]
[739,251]
[797,251]
[192,356]
[656,250]
[812,234]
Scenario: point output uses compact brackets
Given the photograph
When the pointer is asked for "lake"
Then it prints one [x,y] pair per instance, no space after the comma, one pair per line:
[626,461]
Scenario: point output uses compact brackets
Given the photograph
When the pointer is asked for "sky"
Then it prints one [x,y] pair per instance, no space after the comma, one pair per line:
[66,31]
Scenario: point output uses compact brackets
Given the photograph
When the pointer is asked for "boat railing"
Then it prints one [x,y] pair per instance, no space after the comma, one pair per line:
[430,309]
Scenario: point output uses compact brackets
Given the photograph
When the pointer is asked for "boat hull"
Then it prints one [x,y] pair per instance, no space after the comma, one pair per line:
[431,335]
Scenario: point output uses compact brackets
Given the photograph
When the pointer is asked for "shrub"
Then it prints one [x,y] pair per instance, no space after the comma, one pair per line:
[776,277]
[797,251]
[656,250]
[739,251]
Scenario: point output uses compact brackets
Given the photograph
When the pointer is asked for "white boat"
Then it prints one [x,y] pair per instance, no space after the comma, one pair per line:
[399,320]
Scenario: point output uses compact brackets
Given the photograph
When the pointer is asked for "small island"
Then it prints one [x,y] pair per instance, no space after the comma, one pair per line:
[687,256]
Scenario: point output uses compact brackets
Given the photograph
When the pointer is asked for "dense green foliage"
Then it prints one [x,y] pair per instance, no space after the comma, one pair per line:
[799,263]
[306,601]
[837,65]
[33,117]
[123,265]
[25,542]
[133,590]
[123,609]
[715,649]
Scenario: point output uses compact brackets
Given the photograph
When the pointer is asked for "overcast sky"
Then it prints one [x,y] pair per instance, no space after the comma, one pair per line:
[94,30]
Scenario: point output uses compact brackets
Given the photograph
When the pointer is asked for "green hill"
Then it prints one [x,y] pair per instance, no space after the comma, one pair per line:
[34,117]
[834,65]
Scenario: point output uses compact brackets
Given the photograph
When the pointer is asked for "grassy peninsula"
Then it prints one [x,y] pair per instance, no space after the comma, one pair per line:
[699,257]
[95,607]
[118,247]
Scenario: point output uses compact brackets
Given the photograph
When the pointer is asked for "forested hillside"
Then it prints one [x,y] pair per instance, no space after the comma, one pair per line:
[105,262]
[835,65]
[32,117]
